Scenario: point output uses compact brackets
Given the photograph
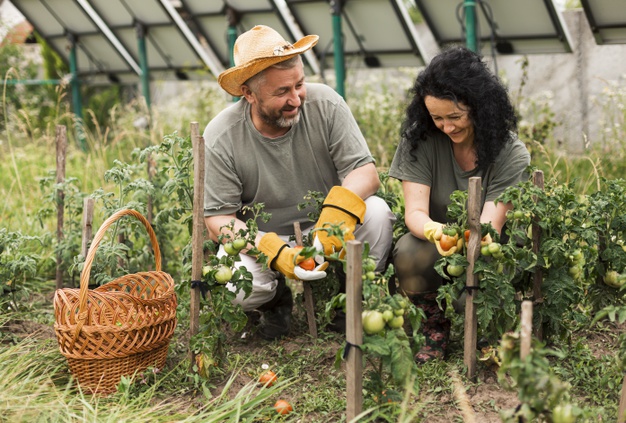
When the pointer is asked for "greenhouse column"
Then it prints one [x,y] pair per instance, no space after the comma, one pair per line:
[470,25]
[336,7]
[233,19]
[77,103]
[143,62]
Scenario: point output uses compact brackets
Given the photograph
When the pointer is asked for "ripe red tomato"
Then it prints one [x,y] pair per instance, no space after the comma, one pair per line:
[307,264]
[467,234]
[283,407]
[446,242]
[268,378]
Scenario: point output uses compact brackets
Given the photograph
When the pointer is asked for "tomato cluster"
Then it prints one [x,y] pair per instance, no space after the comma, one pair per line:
[390,313]
[233,247]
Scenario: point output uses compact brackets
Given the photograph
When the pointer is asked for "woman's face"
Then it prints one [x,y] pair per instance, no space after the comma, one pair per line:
[452,119]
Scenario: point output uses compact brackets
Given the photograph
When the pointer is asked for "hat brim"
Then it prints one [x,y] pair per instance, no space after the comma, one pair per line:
[233,78]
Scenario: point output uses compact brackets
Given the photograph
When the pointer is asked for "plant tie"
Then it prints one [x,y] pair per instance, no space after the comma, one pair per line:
[203,286]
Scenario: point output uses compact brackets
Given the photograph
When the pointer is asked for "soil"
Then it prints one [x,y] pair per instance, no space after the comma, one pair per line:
[477,401]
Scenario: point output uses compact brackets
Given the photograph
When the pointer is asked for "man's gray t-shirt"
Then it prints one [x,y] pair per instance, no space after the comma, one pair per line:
[242,167]
[433,164]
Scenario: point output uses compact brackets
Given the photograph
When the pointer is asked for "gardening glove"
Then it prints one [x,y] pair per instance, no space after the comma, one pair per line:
[454,249]
[285,259]
[344,207]
[433,231]
[311,275]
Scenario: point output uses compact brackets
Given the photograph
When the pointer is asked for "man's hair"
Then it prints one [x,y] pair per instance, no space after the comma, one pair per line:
[256,80]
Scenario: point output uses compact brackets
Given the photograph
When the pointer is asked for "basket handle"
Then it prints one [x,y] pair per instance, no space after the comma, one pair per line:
[84,276]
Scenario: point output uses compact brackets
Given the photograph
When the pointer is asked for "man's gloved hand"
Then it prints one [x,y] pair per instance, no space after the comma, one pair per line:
[340,206]
[285,259]
[311,275]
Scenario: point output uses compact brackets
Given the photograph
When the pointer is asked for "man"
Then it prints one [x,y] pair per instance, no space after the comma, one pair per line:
[283,139]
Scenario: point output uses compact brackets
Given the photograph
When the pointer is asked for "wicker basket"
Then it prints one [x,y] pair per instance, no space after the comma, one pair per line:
[119,328]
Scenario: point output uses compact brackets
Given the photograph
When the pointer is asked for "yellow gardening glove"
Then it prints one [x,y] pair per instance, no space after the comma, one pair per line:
[285,259]
[281,256]
[344,207]
[451,250]
[433,231]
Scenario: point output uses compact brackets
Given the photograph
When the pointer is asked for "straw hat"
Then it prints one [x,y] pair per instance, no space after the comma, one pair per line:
[256,50]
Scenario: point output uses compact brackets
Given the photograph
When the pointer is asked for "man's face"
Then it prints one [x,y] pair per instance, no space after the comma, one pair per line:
[277,100]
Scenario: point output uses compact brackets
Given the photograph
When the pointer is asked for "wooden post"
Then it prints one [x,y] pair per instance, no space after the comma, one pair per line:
[354,330]
[197,238]
[538,275]
[621,411]
[309,305]
[88,204]
[526,329]
[61,144]
[473,250]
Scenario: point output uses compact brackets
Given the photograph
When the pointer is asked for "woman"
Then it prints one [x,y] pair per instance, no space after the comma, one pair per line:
[459,124]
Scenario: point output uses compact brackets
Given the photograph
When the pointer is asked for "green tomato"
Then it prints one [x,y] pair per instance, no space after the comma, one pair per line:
[498,255]
[399,312]
[455,270]
[370,275]
[240,243]
[206,270]
[484,250]
[396,323]
[230,249]
[402,303]
[387,315]
[369,265]
[223,274]
[611,279]
[574,271]
[518,214]
[373,322]
[494,247]
[563,413]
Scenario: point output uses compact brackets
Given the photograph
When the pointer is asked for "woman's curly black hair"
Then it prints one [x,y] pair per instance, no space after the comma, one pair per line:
[460,75]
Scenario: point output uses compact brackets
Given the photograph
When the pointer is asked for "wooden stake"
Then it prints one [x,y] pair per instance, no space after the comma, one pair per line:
[61,143]
[354,330]
[309,305]
[473,250]
[538,275]
[88,204]
[197,238]
[526,329]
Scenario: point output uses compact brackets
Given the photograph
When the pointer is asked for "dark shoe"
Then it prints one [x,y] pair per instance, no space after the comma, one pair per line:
[275,321]
[275,324]
[436,328]
[338,324]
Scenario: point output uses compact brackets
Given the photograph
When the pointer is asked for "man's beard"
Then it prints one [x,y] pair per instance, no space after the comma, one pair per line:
[278,120]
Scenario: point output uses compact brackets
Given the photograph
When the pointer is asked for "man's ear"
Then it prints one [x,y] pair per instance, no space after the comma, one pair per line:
[247,93]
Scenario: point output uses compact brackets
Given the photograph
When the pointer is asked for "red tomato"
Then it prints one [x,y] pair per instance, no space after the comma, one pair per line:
[268,378]
[307,264]
[283,407]
[446,242]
